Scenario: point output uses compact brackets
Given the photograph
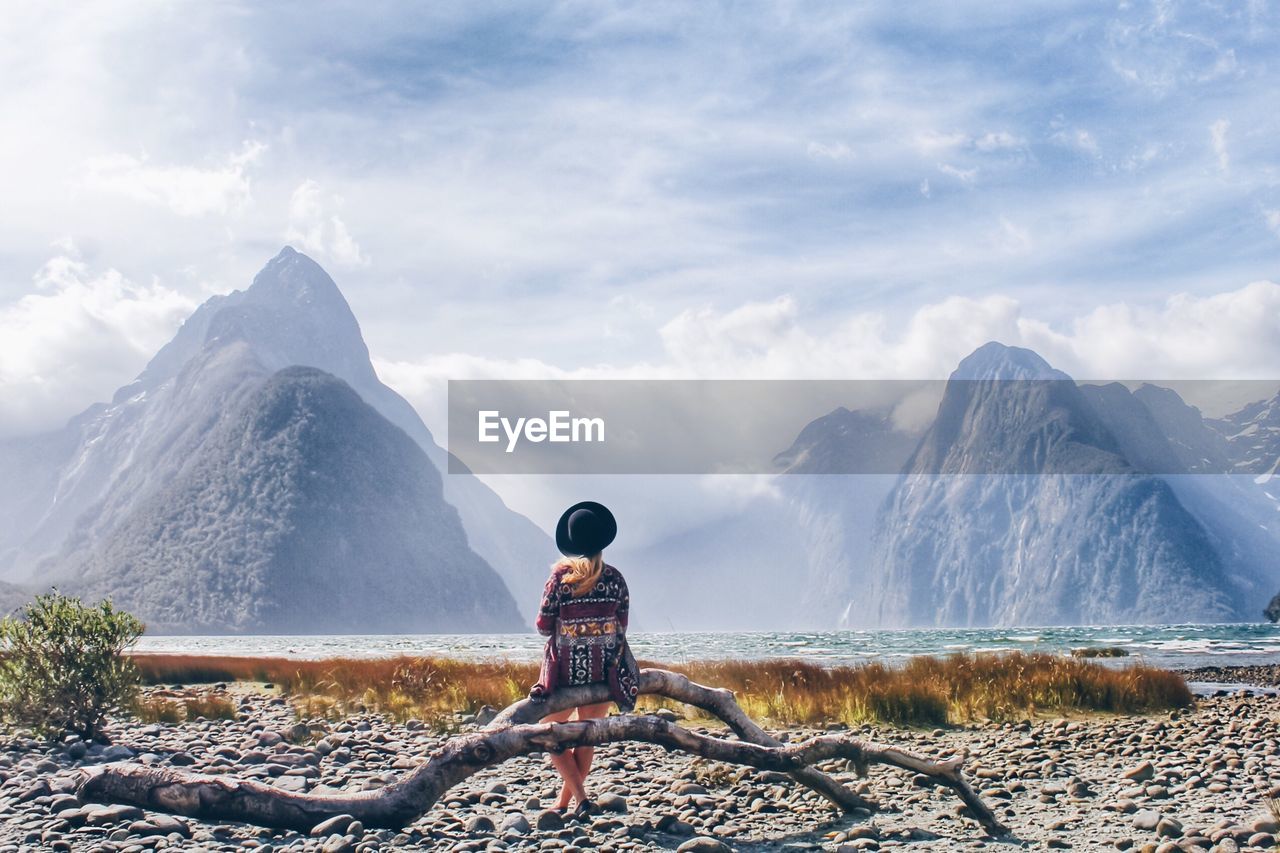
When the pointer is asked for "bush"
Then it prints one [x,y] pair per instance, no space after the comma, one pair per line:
[63,667]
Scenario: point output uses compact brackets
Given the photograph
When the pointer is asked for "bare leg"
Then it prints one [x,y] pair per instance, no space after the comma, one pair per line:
[582,755]
[567,765]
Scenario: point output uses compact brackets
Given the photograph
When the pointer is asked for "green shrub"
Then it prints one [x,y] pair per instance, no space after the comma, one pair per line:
[63,667]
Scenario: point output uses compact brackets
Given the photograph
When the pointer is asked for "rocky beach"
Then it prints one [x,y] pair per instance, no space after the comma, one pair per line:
[1196,779]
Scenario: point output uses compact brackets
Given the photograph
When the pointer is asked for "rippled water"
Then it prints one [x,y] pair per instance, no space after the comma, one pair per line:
[1162,645]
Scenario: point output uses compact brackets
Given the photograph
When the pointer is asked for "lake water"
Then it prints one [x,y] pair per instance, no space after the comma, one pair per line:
[1162,645]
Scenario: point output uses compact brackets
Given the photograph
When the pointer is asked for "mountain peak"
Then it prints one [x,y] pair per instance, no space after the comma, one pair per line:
[292,313]
[293,278]
[994,360]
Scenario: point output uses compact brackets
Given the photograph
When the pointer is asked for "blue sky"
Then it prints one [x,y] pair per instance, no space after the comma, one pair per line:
[690,189]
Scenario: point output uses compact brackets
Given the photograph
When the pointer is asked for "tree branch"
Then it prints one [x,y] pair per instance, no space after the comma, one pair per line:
[513,733]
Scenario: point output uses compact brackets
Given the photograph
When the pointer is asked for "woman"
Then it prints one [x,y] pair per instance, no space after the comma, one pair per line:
[584,617]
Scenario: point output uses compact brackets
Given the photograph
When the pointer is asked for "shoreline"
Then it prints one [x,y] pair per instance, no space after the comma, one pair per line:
[1260,675]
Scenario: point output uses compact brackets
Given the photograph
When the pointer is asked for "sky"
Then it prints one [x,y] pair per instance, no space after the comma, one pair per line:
[743,190]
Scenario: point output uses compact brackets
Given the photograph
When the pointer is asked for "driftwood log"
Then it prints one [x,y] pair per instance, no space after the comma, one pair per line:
[515,732]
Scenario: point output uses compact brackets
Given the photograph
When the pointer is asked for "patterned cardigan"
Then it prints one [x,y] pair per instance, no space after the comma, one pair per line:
[586,638]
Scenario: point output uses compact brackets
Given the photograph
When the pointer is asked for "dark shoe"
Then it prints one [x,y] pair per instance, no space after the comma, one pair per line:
[586,809]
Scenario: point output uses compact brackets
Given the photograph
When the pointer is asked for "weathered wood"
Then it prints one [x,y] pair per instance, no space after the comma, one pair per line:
[714,700]
[513,733]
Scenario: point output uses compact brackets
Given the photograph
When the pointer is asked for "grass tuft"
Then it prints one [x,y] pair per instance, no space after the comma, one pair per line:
[924,691]
[173,710]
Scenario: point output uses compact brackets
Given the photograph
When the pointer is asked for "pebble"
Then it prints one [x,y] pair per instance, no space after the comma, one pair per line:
[703,844]
[1138,783]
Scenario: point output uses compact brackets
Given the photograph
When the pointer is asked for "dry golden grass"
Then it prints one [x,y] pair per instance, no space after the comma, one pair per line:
[178,709]
[924,691]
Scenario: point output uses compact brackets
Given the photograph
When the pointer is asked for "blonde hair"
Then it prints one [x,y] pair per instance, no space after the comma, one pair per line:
[584,572]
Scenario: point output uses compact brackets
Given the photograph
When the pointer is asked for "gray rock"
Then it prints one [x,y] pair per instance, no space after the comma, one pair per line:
[479,824]
[336,825]
[339,844]
[1146,819]
[704,844]
[612,803]
[61,802]
[1142,773]
[169,824]
[514,823]
[549,821]
[102,815]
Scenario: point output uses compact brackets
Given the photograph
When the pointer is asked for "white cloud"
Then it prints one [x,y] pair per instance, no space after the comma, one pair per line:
[1232,335]
[76,338]
[1011,238]
[964,176]
[1272,218]
[1077,138]
[185,190]
[315,228]
[837,151]
[998,141]
[931,143]
[1218,138]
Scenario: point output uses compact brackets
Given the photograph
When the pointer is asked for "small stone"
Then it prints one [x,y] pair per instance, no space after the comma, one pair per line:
[615,803]
[167,825]
[479,825]
[549,821]
[704,844]
[336,825]
[102,815]
[1142,773]
[1168,828]
[1146,819]
[515,823]
[61,802]
[339,844]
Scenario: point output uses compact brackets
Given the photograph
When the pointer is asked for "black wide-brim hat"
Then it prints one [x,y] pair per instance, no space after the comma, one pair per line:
[585,528]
